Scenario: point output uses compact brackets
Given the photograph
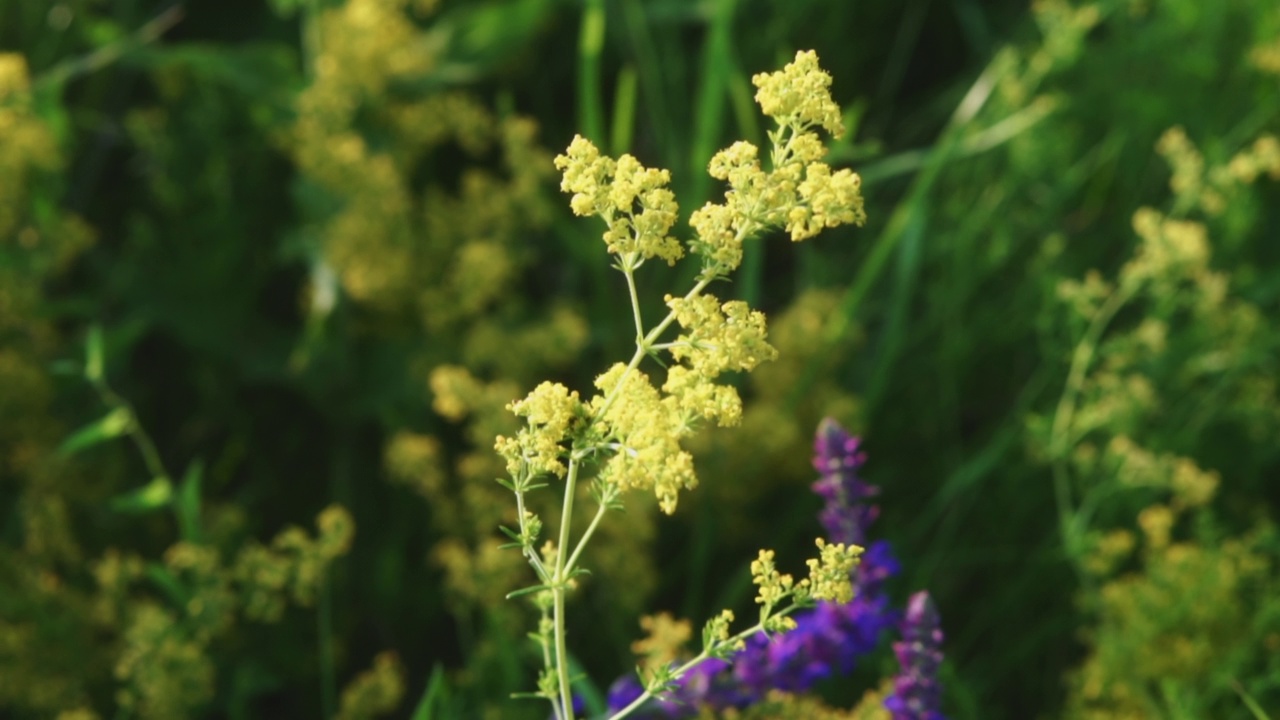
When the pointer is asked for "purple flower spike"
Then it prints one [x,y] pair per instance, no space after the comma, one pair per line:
[917,695]
[837,457]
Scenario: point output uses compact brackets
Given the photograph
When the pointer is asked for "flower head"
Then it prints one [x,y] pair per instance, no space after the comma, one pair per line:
[799,93]
[632,200]
[917,695]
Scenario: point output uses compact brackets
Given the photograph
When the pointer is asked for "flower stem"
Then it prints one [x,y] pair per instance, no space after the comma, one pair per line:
[559,588]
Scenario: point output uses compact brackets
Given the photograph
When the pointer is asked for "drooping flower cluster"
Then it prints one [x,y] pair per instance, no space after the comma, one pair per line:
[826,640]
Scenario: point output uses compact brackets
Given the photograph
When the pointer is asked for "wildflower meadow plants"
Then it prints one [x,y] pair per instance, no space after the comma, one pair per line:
[628,435]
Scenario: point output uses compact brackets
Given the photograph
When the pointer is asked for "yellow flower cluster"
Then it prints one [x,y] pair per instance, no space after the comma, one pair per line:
[1169,598]
[294,563]
[1179,617]
[829,573]
[1212,189]
[799,95]
[665,637]
[800,192]
[27,146]
[829,580]
[375,692]
[648,429]
[719,337]
[641,426]
[551,412]
[633,201]
[164,667]
[165,670]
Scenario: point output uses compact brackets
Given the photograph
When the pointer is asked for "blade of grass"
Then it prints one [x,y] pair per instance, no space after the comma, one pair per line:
[930,162]
[434,697]
[108,54]
[328,675]
[713,93]
[1248,701]
[651,74]
[624,112]
[590,47]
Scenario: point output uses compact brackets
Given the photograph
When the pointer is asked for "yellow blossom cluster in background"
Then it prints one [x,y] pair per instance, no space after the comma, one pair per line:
[376,691]
[1175,604]
[1212,189]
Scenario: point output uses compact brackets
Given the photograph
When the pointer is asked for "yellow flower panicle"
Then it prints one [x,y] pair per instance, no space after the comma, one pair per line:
[639,425]
[631,430]
[830,572]
[633,201]
[800,95]
[551,411]
[719,337]
[648,432]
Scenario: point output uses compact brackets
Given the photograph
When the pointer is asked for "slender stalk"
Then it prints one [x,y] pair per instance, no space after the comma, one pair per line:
[559,588]
[529,552]
[635,300]
[691,664]
[1058,437]
[582,542]
[324,623]
[104,56]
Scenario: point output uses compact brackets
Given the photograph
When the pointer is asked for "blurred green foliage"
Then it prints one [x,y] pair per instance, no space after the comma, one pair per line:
[322,246]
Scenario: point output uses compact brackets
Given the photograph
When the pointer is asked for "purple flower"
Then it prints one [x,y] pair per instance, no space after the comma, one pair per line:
[829,638]
[917,695]
[837,458]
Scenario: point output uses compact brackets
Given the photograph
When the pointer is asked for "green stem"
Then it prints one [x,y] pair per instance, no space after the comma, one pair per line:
[104,56]
[635,299]
[590,47]
[530,552]
[139,436]
[328,682]
[706,653]
[559,588]
[582,542]
[1059,439]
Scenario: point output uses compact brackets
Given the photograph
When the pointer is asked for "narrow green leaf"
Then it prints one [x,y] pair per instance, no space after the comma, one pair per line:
[93,354]
[1248,701]
[434,698]
[168,583]
[154,495]
[590,48]
[188,502]
[525,591]
[624,111]
[109,426]
[583,687]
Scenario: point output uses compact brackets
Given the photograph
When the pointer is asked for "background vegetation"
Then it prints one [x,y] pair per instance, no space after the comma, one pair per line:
[270,272]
